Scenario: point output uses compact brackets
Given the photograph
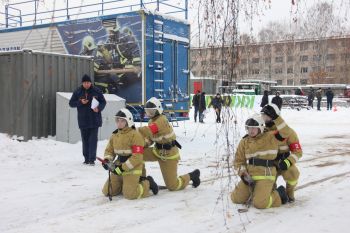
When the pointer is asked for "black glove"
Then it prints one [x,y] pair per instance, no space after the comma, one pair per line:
[269,111]
[284,164]
[106,164]
[118,170]
[247,179]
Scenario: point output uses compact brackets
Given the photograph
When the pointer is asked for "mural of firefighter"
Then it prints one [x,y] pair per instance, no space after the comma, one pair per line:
[115,45]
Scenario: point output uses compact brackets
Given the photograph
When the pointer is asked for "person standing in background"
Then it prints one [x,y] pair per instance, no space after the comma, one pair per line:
[265,99]
[217,105]
[202,107]
[277,100]
[330,95]
[319,98]
[311,97]
[195,103]
[89,117]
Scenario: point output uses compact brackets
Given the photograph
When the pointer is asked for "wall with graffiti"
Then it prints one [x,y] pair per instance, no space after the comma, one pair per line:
[115,44]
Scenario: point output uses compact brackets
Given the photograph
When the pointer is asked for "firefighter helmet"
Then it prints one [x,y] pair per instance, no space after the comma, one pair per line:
[153,107]
[255,121]
[126,115]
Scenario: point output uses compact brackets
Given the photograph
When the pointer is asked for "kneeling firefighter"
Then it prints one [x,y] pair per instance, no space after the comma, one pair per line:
[288,153]
[254,163]
[124,159]
[165,149]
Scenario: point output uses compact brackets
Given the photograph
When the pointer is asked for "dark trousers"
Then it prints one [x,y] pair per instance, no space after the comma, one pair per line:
[195,113]
[318,104]
[329,104]
[218,113]
[201,115]
[89,140]
[311,103]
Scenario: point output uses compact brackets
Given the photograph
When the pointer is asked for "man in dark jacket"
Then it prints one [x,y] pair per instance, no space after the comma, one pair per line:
[265,99]
[319,98]
[195,104]
[89,116]
[311,97]
[202,107]
[217,105]
[330,95]
[277,100]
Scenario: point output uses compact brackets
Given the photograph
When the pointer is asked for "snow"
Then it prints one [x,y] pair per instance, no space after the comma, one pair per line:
[45,187]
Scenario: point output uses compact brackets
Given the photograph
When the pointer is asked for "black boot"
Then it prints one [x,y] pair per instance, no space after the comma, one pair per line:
[194,176]
[283,194]
[153,185]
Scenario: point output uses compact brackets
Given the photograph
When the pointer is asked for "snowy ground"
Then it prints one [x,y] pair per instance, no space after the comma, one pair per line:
[45,187]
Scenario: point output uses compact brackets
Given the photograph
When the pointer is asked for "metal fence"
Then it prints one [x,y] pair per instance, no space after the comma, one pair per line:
[28,84]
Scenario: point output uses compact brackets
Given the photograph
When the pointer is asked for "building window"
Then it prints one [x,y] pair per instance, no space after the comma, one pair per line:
[255,71]
[290,82]
[317,57]
[267,60]
[243,72]
[255,60]
[290,58]
[203,63]
[278,59]
[303,70]
[330,68]
[316,68]
[304,58]
[345,56]
[224,72]
[255,49]
[244,61]
[214,72]
[278,71]
[278,48]
[304,46]
[203,73]
[289,70]
[279,82]
[303,81]
[330,56]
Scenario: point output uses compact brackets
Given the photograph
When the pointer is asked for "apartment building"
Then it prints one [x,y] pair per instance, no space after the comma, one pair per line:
[290,62]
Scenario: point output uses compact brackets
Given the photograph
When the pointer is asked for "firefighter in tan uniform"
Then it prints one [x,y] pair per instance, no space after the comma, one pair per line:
[288,153]
[124,159]
[165,149]
[254,163]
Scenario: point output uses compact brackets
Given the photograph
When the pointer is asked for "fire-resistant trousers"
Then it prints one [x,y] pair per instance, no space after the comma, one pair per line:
[261,194]
[129,185]
[169,171]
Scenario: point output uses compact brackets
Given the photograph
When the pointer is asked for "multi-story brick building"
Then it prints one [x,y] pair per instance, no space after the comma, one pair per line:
[290,62]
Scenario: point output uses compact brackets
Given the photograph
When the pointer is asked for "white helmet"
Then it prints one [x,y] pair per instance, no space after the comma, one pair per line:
[153,104]
[125,114]
[274,106]
[255,121]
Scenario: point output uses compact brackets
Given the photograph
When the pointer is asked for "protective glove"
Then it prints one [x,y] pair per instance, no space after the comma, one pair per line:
[118,170]
[106,164]
[269,111]
[284,164]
